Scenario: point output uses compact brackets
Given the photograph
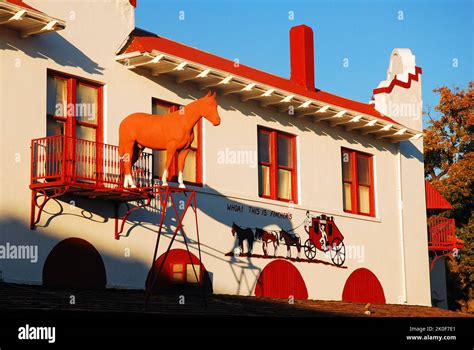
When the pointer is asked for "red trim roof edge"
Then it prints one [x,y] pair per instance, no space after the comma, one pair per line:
[147,43]
[395,81]
[22,4]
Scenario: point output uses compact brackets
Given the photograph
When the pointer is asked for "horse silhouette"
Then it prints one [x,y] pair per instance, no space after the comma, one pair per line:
[291,240]
[242,235]
[172,132]
[267,237]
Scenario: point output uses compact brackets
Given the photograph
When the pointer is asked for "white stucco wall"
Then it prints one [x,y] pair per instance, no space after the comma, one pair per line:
[87,49]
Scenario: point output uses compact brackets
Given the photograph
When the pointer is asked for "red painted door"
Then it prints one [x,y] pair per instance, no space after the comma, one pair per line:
[363,286]
[281,279]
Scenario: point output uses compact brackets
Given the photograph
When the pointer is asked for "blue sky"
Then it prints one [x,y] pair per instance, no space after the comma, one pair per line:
[439,32]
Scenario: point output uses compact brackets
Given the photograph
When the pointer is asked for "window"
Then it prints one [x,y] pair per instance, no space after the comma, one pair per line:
[184,273]
[276,165]
[177,272]
[74,108]
[192,167]
[357,182]
[190,275]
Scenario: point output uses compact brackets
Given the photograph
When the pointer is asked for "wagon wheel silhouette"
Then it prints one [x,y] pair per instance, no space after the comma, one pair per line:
[309,249]
[338,252]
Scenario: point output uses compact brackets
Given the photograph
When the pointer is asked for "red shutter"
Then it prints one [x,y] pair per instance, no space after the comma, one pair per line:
[280,279]
[362,286]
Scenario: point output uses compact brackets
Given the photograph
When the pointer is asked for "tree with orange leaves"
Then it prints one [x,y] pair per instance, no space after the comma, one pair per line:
[449,166]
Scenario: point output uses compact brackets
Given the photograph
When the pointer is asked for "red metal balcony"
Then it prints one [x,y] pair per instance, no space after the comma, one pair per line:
[83,166]
[442,234]
[61,165]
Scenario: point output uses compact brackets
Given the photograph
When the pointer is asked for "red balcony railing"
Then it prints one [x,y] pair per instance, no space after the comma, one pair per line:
[442,234]
[61,160]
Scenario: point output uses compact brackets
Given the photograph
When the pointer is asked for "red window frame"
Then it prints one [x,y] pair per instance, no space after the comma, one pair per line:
[173,171]
[71,98]
[354,182]
[184,273]
[273,164]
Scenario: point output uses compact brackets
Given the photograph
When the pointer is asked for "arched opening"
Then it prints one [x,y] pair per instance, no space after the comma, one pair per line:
[281,279]
[180,273]
[363,286]
[74,263]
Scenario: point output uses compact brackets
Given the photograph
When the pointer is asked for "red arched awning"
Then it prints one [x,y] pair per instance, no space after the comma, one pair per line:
[281,279]
[363,286]
[178,271]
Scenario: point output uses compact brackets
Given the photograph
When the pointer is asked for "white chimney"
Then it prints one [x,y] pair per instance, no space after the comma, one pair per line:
[399,96]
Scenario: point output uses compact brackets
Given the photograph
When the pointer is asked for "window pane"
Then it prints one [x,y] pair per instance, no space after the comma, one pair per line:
[363,169]
[263,147]
[346,166]
[347,197]
[284,184]
[264,180]
[177,272]
[57,97]
[189,173]
[159,109]
[285,151]
[87,105]
[159,163]
[54,127]
[364,200]
[190,275]
[85,133]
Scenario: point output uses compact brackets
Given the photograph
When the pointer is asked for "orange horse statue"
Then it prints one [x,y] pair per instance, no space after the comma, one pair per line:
[171,132]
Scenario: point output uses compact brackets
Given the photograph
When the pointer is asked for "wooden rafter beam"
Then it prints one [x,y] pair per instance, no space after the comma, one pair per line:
[361,125]
[224,81]
[246,88]
[153,60]
[346,120]
[39,29]
[203,74]
[11,17]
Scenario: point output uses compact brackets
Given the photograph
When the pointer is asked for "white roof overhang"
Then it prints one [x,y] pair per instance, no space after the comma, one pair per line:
[157,63]
[27,22]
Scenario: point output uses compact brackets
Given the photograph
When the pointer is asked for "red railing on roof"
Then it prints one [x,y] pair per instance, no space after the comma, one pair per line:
[60,160]
[442,234]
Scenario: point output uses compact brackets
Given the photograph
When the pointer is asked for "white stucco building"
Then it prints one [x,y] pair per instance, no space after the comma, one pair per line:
[283,148]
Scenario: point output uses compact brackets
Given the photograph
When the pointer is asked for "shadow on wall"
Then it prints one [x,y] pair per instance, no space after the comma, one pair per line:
[59,260]
[50,46]
[72,262]
[220,208]
[101,212]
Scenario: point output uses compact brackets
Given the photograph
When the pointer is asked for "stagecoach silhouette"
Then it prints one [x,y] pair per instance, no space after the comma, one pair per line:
[326,237]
